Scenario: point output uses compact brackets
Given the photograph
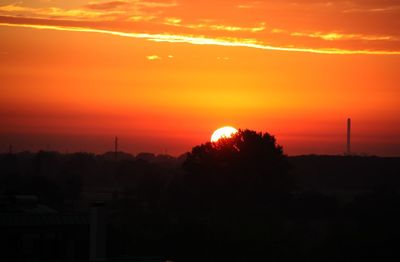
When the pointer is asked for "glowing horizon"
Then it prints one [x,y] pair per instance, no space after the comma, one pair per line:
[162,74]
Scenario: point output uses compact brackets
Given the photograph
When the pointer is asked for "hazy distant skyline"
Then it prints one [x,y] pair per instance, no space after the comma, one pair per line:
[165,74]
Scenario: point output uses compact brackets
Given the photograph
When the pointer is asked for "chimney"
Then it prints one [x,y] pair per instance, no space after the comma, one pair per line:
[98,232]
[348,151]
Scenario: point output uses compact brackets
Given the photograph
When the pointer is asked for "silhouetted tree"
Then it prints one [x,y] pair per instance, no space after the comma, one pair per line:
[248,167]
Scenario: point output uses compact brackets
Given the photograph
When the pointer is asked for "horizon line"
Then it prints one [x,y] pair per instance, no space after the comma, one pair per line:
[344,154]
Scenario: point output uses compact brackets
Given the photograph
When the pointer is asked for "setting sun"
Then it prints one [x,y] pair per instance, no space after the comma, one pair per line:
[163,74]
[226,129]
[223,132]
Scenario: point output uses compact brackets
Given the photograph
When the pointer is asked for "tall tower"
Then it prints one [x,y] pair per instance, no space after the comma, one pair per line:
[348,152]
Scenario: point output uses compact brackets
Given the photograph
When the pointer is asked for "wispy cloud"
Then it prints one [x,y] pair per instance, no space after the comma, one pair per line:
[195,40]
[16,10]
[382,9]
[106,5]
[342,36]
[229,23]
[173,21]
[115,10]
[259,28]
[154,4]
[153,57]
[248,4]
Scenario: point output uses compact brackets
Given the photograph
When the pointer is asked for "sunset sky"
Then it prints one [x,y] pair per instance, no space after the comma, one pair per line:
[163,75]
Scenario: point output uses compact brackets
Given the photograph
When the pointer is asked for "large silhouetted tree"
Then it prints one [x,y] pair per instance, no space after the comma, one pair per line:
[248,167]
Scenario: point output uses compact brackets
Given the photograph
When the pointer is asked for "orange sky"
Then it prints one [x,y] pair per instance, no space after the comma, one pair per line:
[162,75]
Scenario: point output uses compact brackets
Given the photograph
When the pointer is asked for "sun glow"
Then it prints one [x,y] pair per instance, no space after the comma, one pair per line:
[223,132]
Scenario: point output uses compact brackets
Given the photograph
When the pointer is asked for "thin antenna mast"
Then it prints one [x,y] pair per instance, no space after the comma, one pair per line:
[348,136]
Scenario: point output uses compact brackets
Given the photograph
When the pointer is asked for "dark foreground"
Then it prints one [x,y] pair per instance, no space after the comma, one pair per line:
[327,208]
